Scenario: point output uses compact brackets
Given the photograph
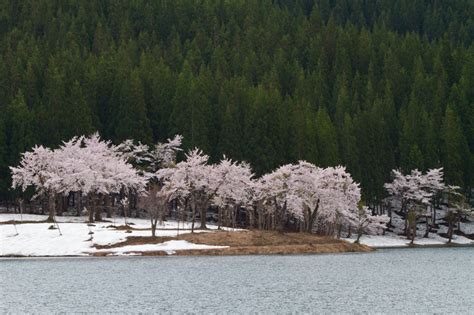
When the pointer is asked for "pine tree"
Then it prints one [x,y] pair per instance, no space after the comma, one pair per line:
[454,148]
[328,153]
[78,114]
[263,129]
[132,120]
[19,128]
[342,101]
[50,120]
[4,170]
[349,150]
[202,119]
[302,132]
[234,96]
[373,143]
[415,159]
[162,89]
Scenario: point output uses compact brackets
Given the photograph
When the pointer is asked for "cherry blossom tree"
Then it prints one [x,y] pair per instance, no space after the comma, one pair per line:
[87,165]
[365,222]
[406,190]
[458,207]
[434,183]
[340,197]
[38,168]
[299,195]
[193,182]
[150,159]
[147,160]
[311,195]
[233,189]
[155,200]
[276,191]
[415,192]
[164,154]
[106,172]
[306,193]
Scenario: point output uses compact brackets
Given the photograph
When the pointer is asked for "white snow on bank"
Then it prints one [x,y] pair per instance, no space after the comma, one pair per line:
[137,223]
[36,239]
[392,240]
[78,238]
[169,247]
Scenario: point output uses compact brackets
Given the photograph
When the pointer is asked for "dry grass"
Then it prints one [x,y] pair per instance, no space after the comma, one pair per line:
[252,242]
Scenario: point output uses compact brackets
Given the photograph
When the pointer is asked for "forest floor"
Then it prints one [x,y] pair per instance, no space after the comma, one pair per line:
[31,236]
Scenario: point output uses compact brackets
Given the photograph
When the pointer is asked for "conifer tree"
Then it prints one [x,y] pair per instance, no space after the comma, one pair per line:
[328,152]
[78,114]
[19,132]
[132,120]
[454,148]
[4,171]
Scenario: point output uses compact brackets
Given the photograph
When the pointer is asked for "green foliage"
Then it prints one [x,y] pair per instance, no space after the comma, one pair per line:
[361,83]
[454,149]
[326,139]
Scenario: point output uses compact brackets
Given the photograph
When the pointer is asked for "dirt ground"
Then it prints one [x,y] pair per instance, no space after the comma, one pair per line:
[250,242]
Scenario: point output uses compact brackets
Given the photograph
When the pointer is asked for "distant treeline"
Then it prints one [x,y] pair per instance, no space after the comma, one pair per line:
[373,85]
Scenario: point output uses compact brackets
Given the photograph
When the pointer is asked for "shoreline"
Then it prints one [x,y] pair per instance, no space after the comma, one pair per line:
[417,246]
[187,253]
[334,247]
[36,239]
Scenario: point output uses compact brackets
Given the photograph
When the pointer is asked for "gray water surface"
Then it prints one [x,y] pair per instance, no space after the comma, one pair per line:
[431,280]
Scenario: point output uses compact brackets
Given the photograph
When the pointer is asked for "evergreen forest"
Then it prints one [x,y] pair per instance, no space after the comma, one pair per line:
[374,85]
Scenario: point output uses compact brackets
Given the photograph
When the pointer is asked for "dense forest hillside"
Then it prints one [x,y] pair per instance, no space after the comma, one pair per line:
[373,85]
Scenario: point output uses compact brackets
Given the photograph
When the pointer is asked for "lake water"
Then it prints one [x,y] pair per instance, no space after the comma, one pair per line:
[431,280]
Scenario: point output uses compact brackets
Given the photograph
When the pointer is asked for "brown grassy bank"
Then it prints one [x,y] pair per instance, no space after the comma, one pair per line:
[252,242]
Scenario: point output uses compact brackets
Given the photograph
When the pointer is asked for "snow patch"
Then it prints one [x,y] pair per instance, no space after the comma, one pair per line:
[169,247]
[392,240]
[80,239]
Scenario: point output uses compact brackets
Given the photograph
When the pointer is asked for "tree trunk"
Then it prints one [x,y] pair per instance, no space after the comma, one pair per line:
[78,202]
[389,211]
[219,217]
[359,234]
[234,217]
[91,208]
[107,206]
[60,203]
[203,212]
[411,222]
[193,209]
[450,231]
[153,227]
[406,230]
[251,217]
[412,227]
[312,218]
[51,207]
[427,228]
[98,210]
[203,219]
